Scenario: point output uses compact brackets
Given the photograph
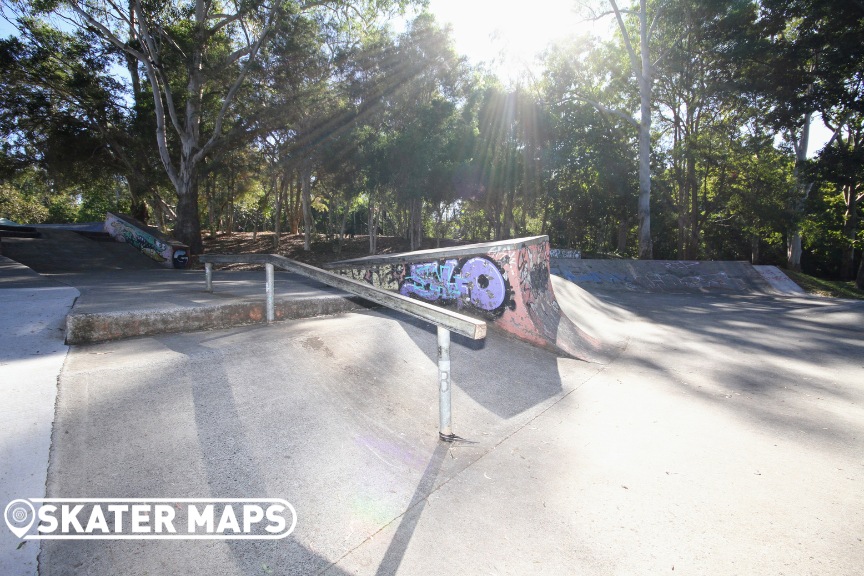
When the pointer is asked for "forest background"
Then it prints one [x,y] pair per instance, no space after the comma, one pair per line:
[683,135]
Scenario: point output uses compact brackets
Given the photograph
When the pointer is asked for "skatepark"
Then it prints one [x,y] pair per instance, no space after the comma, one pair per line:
[717,428]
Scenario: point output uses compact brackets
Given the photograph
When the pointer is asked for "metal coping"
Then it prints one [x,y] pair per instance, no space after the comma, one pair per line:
[439,253]
[453,321]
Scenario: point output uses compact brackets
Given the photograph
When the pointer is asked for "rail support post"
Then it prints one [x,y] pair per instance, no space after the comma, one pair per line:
[271,290]
[208,275]
[445,425]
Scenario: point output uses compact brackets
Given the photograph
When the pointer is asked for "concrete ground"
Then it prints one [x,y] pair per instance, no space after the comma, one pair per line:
[726,438]
[32,312]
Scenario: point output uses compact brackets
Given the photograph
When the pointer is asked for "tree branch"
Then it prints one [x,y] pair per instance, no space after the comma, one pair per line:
[634,61]
[106,33]
[271,20]
[226,20]
[836,131]
[654,20]
[237,54]
[604,109]
[154,71]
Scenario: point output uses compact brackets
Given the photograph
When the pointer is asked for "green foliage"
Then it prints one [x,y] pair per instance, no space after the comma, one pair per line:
[96,202]
[399,131]
[829,288]
[823,229]
[20,208]
[62,209]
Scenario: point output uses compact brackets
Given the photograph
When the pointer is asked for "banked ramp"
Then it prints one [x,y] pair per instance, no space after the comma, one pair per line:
[675,276]
[505,283]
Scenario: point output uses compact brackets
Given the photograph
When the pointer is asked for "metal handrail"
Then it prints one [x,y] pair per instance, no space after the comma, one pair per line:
[445,320]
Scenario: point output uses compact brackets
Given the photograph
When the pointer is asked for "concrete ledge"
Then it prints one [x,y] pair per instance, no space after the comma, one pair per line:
[91,327]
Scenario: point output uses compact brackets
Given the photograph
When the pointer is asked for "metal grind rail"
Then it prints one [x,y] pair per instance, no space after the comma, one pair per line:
[445,320]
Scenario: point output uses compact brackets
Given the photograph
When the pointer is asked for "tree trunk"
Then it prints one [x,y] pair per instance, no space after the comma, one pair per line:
[137,184]
[340,243]
[850,231]
[623,227]
[277,224]
[306,201]
[211,213]
[642,71]
[373,224]
[230,213]
[682,231]
[754,249]
[159,213]
[859,281]
[138,192]
[646,248]
[793,249]
[439,224]
[679,142]
[693,185]
[188,227]
[294,205]
[793,240]
[544,230]
[415,215]
[509,218]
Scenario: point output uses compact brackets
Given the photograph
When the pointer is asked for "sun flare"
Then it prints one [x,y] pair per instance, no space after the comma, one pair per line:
[508,36]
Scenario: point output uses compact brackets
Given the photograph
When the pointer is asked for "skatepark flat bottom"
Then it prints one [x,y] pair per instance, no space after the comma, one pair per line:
[725,438]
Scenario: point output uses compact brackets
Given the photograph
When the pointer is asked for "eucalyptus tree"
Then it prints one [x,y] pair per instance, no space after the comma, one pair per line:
[841,168]
[637,25]
[508,157]
[422,119]
[192,53]
[841,161]
[404,92]
[591,172]
[60,109]
[642,68]
[698,116]
[799,59]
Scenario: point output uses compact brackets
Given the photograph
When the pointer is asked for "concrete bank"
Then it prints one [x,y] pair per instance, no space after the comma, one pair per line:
[675,276]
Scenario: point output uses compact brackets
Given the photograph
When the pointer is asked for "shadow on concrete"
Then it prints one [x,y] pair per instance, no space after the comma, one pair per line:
[336,415]
[106,461]
[399,544]
[774,352]
[505,390]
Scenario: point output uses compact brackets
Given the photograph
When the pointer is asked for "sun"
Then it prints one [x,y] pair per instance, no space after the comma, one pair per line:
[508,36]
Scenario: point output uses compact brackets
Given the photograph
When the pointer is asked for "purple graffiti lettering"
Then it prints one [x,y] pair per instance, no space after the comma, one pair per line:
[431,281]
[483,283]
[478,283]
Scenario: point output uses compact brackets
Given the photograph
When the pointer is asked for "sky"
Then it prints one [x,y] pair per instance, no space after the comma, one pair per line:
[508,35]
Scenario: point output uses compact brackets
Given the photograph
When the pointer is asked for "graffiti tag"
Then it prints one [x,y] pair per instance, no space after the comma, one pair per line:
[477,282]
[150,246]
[180,259]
